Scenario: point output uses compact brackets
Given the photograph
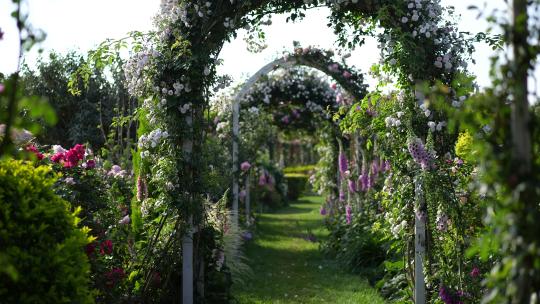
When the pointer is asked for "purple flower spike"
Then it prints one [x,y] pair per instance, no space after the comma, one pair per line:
[343,163]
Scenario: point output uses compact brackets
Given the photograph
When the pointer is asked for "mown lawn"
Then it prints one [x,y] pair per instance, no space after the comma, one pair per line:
[288,267]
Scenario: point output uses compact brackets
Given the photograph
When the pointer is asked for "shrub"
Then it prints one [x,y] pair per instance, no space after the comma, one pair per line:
[40,244]
[296,185]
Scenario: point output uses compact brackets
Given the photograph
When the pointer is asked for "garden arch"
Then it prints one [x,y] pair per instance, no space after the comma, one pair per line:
[347,77]
[180,69]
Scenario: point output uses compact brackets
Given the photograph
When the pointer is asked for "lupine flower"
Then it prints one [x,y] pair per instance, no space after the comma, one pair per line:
[348,213]
[419,153]
[352,186]
[341,196]
[245,166]
[343,163]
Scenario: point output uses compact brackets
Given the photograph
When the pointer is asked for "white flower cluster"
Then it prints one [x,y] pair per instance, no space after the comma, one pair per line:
[134,71]
[459,102]
[151,140]
[396,226]
[394,121]
[424,107]
[436,126]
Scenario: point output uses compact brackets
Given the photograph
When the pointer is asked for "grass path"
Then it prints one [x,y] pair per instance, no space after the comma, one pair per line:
[288,268]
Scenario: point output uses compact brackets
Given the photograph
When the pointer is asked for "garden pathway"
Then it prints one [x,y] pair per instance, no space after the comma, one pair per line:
[289,268]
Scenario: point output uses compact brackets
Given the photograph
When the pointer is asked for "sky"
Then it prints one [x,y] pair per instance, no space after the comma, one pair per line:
[83,24]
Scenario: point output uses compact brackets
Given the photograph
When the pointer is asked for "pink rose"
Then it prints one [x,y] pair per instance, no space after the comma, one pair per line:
[245,166]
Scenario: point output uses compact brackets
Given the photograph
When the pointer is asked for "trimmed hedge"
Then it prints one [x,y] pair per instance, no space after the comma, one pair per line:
[296,185]
[42,259]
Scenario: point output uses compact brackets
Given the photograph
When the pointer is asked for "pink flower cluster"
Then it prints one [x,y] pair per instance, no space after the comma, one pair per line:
[245,166]
[72,157]
[33,149]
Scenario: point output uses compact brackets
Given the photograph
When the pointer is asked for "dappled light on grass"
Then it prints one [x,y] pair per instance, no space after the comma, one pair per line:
[289,266]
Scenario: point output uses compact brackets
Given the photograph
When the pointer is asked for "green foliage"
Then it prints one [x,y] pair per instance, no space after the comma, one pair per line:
[42,247]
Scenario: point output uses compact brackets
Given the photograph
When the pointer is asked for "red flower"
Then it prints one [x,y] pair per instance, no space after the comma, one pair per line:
[106,247]
[33,149]
[58,157]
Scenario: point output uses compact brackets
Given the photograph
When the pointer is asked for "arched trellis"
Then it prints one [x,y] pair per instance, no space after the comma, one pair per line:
[191,35]
[347,77]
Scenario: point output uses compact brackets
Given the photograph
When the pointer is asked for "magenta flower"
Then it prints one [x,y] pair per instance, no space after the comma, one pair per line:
[341,196]
[2,87]
[90,164]
[245,166]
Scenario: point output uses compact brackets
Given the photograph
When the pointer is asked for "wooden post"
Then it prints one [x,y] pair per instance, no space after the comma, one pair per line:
[248,199]
[187,239]
[419,226]
[419,243]
[235,169]
[187,266]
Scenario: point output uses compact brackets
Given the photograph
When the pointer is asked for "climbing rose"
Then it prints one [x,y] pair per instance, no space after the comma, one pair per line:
[245,166]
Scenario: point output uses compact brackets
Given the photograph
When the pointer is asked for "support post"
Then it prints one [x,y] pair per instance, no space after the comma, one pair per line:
[248,199]
[419,225]
[419,243]
[187,239]
[235,169]
[187,266]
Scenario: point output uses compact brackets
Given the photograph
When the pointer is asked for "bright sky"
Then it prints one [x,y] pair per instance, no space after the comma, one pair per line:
[82,24]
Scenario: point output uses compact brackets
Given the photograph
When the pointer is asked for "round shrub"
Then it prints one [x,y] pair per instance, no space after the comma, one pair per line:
[42,259]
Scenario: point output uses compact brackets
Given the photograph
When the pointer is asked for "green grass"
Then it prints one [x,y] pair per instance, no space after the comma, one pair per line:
[290,269]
